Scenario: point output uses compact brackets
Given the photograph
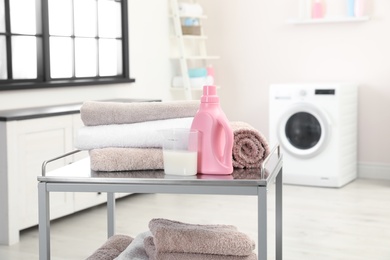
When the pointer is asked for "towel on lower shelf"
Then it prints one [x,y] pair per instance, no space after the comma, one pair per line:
[126,159]
[95,113]
[144,134]
[250,147]
[178,237]
[153,254]
[136,250]
[111,248]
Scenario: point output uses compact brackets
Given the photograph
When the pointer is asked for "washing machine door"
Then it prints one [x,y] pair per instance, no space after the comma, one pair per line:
[303,130]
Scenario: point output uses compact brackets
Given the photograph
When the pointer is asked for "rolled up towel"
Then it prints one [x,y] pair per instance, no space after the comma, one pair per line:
[143,134]
[136,250]
[106,113]
[153,254]
[178,237]
[250,147]
[113,247]
[126,159]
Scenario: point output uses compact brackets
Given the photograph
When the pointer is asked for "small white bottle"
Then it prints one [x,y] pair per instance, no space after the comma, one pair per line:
[305,7]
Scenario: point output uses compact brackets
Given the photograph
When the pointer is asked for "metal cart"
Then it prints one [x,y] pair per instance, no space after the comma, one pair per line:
[78,177]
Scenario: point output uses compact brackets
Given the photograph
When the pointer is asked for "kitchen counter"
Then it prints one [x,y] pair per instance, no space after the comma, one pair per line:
[57,110]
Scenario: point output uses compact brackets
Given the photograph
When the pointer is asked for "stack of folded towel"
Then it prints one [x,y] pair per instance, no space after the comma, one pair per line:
[173,240]
[177,240]
[124,136]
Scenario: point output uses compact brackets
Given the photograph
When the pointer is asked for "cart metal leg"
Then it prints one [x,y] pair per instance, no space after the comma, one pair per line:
[262,223]
[44,222]
[279,215]
[110,214]
[262,219]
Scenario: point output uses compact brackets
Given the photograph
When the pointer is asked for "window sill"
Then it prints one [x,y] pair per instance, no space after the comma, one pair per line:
[64,83]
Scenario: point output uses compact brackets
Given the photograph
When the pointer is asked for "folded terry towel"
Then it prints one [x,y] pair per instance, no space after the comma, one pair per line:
[250,147]
[106,113]
[249,173]
[144,134]
[156,255]
[136,250]
[126,159]
[140,174]
[190,9]
[173,236]
[111,248]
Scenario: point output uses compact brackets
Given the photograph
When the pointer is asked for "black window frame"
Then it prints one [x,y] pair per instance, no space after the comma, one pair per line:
[43,79]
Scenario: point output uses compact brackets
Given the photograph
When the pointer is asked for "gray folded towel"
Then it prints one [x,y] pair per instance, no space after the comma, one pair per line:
[111,248]
[250,147]
[136,250]
[126,159]
[179,237]
[95,113]
[153,254]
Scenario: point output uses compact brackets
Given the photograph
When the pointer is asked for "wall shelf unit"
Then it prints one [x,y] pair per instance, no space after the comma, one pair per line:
[190,16]
[197,58]
[328,20]
[188,46]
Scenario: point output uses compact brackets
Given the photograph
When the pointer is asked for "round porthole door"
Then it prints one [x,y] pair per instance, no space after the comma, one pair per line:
[303,130]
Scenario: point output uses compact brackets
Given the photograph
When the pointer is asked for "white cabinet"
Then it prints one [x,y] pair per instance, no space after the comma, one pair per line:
[25,144]
[37,140]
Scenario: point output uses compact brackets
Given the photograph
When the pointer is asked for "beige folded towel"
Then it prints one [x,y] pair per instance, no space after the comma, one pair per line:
[153,254]
[179,237]
[111,248]
[105,113]
[249,173]
[250,147]
[126,159]
[140,174]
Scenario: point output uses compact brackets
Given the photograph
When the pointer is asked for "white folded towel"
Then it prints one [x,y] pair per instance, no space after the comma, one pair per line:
[190,9]
[136,250]
[145,134]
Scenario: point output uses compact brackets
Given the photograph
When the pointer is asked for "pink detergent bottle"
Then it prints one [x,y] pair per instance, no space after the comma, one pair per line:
[215,135]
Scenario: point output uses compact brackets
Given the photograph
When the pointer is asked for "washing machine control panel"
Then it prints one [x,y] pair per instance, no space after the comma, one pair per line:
[325,91]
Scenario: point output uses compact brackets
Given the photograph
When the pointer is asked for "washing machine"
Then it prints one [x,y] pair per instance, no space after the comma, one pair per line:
[316,127]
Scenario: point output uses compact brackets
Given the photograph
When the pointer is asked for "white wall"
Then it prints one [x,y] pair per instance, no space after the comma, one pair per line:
[258,48]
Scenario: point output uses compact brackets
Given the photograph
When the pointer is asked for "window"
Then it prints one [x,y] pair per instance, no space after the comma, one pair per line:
[53,43]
